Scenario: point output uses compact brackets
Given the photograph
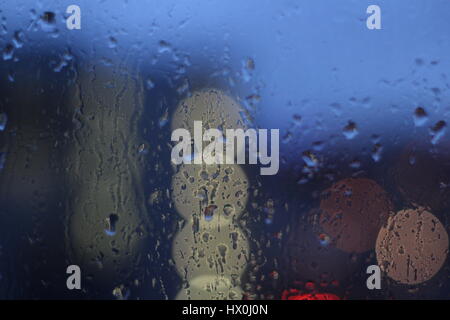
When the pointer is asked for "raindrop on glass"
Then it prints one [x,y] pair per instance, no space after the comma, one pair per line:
[420,117]
[111,222]
[350,130]
[8,52]
[437,131]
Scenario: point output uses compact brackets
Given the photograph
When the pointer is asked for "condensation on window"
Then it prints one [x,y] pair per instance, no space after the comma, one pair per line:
[86,123]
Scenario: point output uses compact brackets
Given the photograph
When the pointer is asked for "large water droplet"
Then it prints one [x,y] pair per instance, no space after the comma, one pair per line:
[47,22]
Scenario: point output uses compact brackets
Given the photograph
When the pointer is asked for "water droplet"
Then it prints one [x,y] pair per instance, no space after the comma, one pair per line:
[18,39]
[297,119]
[143,149]
[324,240]
[60,66]
[66,57]
[164,119]
[437,131]
[164,47]
[202,194]
[350,130]
[310,159]
[8,52]
[48,17]
[209,212]
[355,164]
[420,116]
[302,180]
[111,222]
[121,293]
[47,22]
[228,209]
[11,77]
[112,42]
[274,275]
[376,152]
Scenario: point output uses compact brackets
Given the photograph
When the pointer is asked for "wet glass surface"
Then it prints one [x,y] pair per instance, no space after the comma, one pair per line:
[86,177]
